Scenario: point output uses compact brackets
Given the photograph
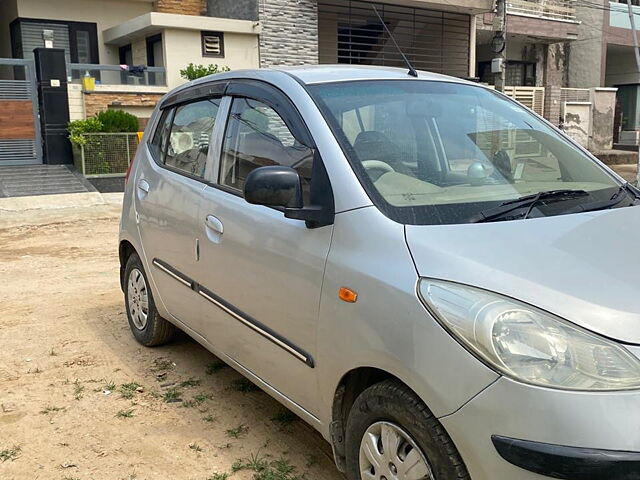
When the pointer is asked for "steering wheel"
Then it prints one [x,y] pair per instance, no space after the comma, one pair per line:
[372,166]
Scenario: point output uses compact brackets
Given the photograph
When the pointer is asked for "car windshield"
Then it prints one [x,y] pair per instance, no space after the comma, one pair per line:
[431,152]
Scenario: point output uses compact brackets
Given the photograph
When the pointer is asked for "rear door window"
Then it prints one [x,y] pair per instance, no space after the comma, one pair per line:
[188,143]
[159,140]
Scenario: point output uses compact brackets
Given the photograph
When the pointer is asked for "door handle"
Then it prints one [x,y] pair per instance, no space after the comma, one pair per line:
[143,185]
[213,223]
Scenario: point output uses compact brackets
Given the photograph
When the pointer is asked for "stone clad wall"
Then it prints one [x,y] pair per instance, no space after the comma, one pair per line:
[95,102]
[289,32]
[184,7]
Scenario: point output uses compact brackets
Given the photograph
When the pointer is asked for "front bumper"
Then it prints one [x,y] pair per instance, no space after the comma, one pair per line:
[571,463]
[582,429]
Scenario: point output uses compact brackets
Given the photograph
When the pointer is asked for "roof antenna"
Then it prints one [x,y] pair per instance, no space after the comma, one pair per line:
[412,71]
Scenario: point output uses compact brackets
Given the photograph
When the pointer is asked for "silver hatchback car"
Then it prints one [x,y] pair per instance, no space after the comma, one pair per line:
[435,278]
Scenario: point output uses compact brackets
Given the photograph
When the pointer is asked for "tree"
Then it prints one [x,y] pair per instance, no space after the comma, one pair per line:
[191,72]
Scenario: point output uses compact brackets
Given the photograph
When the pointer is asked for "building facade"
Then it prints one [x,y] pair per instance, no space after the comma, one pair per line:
[436,35]
[134,49]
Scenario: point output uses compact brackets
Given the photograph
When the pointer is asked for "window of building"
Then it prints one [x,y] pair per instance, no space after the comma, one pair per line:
[155,55]
[125,54]
[188,142]
[256,137]
[78,39]
[517,74]
[213,44]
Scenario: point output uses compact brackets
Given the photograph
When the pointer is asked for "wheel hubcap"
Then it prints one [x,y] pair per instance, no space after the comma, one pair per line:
[387,452]
[137,299]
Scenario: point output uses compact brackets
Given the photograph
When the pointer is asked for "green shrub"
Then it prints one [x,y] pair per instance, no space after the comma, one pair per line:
[115,121]
[191,72]
[78,128]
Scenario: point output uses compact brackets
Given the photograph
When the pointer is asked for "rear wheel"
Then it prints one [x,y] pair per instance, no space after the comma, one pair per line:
[392,435]
[147,326]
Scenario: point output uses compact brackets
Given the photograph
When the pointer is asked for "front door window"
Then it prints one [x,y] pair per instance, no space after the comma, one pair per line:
[257,137]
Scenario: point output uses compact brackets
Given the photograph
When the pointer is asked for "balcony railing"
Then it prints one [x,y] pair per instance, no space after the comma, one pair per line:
[116,75]
[563,10]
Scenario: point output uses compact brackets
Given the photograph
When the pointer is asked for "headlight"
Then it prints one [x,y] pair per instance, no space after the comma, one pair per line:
[528,344]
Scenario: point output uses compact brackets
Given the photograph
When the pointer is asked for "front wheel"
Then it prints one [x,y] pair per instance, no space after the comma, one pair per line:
[147,326]
[392,435]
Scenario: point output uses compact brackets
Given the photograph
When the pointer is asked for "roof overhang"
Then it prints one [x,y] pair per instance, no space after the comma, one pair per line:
[154,22]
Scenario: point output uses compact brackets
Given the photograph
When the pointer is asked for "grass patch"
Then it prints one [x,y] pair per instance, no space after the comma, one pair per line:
[210,418]
[162,364]
[197,400]
[267,470]
[284,418]
[192,382]
[311,459]
[125,413]
[128,390]
[195,447]
[215,367]
[218,476]
[174,394]
[238,431]
[78,390]
[111,386]
[244,385]
[49,409]
[10,453]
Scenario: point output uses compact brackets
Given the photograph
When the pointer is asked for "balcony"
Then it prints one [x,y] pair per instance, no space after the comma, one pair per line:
[116,75]
[560,10]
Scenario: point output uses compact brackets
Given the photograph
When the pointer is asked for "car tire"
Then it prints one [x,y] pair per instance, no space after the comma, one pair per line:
[390,410]
[147,326]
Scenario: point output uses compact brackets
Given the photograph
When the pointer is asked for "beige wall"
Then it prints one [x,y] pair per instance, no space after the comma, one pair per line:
[8,13]
[183,47]
[106,13]
[139,51]
[76,102]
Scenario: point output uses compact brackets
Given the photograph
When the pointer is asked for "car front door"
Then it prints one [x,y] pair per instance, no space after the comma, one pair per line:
[168,193]
[262,273]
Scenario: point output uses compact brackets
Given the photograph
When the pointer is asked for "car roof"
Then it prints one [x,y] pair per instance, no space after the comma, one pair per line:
[318,74]
[313,74]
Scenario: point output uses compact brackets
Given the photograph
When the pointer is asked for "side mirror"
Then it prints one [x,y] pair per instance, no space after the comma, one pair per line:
[278,186]
[274,186]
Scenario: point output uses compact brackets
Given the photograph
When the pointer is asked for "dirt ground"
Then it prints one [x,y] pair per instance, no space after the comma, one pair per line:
[80,399]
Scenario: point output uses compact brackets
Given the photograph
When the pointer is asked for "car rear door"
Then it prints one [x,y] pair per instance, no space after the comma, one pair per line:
[168,192]
[261,273]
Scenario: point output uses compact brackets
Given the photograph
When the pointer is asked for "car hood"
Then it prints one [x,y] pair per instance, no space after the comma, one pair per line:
[582,267]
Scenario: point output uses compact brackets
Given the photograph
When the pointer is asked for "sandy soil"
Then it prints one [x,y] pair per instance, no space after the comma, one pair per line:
[66,351]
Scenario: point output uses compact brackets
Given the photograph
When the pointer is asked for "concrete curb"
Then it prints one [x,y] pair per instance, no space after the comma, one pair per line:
[48,202]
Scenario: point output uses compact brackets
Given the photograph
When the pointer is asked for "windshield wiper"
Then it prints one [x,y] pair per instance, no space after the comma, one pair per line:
[527,201]
[615,199]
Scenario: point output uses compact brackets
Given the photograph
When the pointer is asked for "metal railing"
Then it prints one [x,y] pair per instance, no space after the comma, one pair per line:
[116,75]
[575,95]
[105,154]
[563,10]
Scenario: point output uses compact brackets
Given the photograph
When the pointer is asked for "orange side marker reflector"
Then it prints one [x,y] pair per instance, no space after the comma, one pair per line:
[347,295]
